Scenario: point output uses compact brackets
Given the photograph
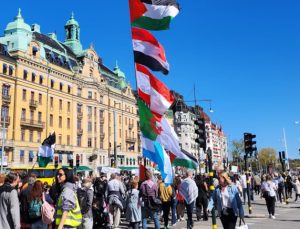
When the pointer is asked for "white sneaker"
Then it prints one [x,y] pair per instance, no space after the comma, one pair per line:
[273,217]
[270,216]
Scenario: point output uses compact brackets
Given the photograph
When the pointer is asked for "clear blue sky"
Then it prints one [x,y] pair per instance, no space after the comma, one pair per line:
[244,55]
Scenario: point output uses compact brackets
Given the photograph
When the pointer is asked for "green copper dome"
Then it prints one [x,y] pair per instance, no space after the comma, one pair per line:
[72,21]
[118,71]
[17,24]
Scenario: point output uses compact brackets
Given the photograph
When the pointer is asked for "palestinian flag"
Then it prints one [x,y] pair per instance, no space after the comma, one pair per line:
[184,159]
[153,14]
[46,150]
[148,51]
[148,121]
[152,91]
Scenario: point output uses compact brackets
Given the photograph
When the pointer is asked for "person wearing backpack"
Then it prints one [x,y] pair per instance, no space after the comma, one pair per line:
[68,213]
[9,203]
[36,198]
[85,197]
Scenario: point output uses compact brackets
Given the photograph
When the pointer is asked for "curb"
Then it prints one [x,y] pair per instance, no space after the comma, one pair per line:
[256,216]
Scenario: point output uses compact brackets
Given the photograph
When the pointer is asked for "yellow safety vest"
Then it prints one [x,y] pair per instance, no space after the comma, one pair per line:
[74,217]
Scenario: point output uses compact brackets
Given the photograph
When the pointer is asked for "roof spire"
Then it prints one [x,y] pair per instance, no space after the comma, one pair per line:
[19,14]
[117,64]
[72,15]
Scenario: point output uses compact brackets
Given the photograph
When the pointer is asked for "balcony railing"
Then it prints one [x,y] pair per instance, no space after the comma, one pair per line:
[7,121]
[102,135]
[79,131]
[6,99]
[79,114]
[33,103]
[32,123]
[131,140]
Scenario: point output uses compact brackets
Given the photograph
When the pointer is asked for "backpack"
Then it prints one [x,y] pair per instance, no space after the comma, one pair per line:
[34,209]
[83,200]
[47,212]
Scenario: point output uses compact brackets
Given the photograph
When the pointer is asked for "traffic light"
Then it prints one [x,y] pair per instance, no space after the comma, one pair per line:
[249,143]
[200,131]
[77,160]
[55,161]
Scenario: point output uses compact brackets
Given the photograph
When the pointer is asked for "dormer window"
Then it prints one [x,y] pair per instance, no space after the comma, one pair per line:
[34,50]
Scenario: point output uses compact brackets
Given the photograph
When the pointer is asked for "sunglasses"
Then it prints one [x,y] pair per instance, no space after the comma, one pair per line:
[60,174]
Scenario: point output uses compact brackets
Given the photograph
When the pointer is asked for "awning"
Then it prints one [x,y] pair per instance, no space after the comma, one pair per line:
[83,168]
[127,168]
[31,154]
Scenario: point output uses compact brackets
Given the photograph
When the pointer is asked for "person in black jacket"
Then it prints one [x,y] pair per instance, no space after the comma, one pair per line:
[201,201]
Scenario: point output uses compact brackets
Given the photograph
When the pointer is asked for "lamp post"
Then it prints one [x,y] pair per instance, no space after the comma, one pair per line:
[115,136]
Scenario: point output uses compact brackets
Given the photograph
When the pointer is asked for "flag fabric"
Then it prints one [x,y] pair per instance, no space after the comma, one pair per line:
[137,9]
[46,150]
[156,153]
[169,139]
[152,91]
[148,121]
[157,16]
[148,51]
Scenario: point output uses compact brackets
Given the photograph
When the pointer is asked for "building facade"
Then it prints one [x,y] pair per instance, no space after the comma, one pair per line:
[52,85]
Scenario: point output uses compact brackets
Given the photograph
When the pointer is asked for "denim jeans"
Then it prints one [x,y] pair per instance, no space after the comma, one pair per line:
[189,211]
[39,225]
[173,209]
[146,212]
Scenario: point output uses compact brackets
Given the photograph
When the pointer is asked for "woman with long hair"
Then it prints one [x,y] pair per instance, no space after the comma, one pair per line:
[35,201]
[268,190]
[227,201]
[68,213]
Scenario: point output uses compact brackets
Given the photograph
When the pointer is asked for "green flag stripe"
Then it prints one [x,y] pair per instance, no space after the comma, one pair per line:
[184,163]
[152,24]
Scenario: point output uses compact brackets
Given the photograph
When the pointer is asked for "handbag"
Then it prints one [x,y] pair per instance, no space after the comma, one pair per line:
[244,226]
[152,202]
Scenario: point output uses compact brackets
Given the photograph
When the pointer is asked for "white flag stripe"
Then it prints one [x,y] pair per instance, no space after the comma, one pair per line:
[159,12]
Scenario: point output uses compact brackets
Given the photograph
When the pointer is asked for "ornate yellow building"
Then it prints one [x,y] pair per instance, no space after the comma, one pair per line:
[51,85]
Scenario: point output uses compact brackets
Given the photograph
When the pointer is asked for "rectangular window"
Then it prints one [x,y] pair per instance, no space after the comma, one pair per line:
[40,117]
[68,123]
[90,112]
[68,140]
[41,79]
[52,83]
[59,139]
[89,142]
[22,135]
[25,74]
[51,102]
[51,120]
[11,70]
[32,95]
[61,85]
[69,89]
[69,106]
[4,68]
[101,98]
[79,108]
[90,96]
[101,144]
[23,115]
[78,124]
[24,95]
[89,126]
[60,104]
[78,140]
[60,122]
[33,77]
[79,91]
[40,98]
[39,135]
[31,136]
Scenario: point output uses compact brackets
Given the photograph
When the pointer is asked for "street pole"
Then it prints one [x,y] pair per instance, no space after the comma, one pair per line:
[211,188]
[248,183]
[286,150]
[3,142]
[115,141]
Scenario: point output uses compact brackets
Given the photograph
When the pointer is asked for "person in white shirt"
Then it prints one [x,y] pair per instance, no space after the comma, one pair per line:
[244,186]
[268,190]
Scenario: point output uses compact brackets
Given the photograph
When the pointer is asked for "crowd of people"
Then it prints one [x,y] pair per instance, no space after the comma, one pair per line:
[102,202]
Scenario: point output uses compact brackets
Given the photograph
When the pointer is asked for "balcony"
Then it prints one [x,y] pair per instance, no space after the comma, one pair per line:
[102,135]
[79,114]
[32,123]
[7,121]
[79,131]
[130,126]
[130,140]
[33,104]
[6,99]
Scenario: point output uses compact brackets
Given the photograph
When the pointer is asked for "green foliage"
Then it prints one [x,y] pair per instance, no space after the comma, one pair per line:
[237,147]
[267,156]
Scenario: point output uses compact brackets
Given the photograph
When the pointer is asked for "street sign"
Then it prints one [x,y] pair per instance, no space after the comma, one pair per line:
[5,159]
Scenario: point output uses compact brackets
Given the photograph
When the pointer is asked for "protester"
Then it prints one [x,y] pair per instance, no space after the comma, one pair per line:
[268,189]
[148,191]
[180,200]
[9,203]
[257,184]
[86,207]
[227,201]
[201,201]
[165,194]
[115,200]
[297,187]
[189,191]
[280,190]
[174,202]
[133,209]
[68,213]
